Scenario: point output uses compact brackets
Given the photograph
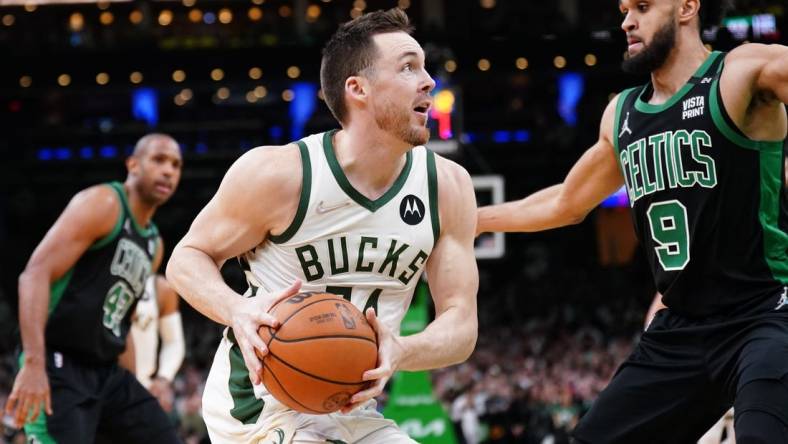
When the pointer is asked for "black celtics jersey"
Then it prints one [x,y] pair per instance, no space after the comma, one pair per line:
[90,306]
[708,203]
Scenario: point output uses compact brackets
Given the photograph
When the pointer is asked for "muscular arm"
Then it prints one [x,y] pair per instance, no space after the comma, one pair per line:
[89,216]
[774,75]
[453,279]
[258,196]
[754,89]
[594,177]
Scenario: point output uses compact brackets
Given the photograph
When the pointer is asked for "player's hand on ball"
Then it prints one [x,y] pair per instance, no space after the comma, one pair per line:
[29,395]
[246,318]
[389,352]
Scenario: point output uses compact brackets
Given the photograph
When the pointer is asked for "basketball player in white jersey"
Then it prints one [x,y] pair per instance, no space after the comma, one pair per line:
[359,212]
[157,316]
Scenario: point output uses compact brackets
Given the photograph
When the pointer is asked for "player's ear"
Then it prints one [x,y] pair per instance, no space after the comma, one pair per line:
[356,89]
[688,10]
[132,164]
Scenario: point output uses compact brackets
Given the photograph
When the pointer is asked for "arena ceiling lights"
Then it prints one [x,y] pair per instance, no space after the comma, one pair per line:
[55,2]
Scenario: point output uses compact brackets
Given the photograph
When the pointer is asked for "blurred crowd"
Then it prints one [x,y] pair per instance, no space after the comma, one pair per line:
[529,384]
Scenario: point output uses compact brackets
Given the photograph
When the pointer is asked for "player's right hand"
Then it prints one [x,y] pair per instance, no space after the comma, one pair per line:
[246,318]
[29,395]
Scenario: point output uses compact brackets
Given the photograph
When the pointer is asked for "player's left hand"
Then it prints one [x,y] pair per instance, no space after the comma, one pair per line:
[390,350]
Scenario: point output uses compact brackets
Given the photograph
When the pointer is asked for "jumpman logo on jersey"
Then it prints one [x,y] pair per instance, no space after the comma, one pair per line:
[783,299]
[625,126]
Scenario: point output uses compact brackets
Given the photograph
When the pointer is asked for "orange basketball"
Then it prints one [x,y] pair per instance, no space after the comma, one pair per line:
[320,351]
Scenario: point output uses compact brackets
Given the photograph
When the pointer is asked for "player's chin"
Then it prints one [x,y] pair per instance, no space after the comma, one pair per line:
[160,197]
[420,135]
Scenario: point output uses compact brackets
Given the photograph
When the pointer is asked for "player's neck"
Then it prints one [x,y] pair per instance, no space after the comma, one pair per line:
[371,160]
[141,211]
[684,60]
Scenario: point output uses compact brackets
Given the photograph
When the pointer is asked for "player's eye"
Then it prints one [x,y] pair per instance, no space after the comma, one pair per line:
[407,67]
[643,7]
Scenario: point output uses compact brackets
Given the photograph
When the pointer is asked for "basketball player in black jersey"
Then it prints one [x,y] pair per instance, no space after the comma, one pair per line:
[76,296]
[699,148]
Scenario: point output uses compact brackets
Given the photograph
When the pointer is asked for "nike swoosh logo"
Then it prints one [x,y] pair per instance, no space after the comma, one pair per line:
[321,208]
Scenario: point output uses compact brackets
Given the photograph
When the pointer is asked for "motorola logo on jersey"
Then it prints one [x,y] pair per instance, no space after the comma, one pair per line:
[411,210]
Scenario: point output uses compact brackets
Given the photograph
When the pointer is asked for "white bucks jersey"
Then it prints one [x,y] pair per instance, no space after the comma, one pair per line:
[371,252]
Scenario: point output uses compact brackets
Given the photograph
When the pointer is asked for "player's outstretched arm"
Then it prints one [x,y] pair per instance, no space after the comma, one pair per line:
[594,177]
[454,281]
[754,87]
[258,196]
[90,216]
[773,77]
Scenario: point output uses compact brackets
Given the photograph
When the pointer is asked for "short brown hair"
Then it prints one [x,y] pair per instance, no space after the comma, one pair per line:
[351,49]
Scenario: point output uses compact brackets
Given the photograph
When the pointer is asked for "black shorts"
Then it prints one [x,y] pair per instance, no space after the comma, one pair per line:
[99,403]
[684,374]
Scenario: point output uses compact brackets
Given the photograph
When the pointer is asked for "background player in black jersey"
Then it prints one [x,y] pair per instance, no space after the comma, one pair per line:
[76,296]
[700,151]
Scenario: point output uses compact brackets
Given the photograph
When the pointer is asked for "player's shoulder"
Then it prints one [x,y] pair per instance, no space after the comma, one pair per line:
[267,165]
[100,200]
[752,52]
[451,172]
[93,211]
[456,196]
[263,180]
[270,156]
[614,105]
[619,97]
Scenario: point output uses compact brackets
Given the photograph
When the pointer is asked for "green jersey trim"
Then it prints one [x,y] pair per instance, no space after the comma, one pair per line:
[116,229]
[622,98]
[432,185]
[775,241]
[246,407]
[303,202]
[37,431]
[344,183]
[731,134]
[646,107]
[150,230]
[57,289]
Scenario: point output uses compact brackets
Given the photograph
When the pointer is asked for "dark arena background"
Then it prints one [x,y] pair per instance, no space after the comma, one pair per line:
[521,89]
